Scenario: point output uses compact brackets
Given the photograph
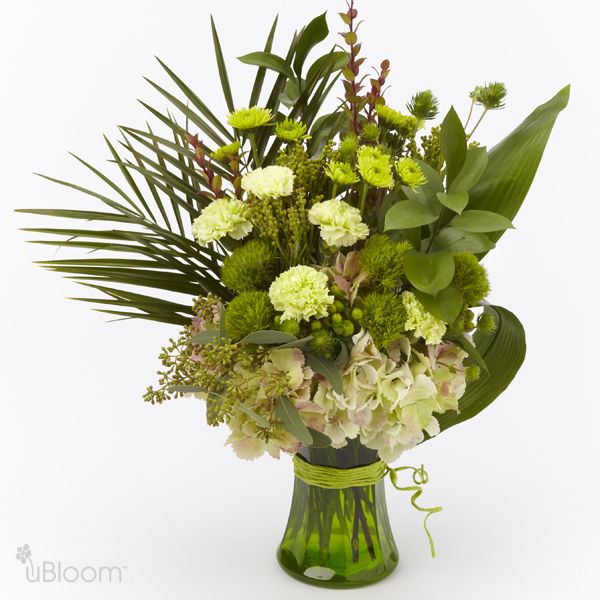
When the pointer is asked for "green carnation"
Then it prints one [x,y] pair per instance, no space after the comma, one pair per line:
[248,312]
[341,173]
[470,278]
[250,267]
[324,344]
[406,125]
[383,260]
[375,167]
[410,173]
[250,118]
[289,130]
[383,317]
[226,151]
[422,322]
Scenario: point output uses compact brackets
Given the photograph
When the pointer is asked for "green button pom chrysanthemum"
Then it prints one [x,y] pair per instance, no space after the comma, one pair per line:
[410,173]
[341,173]
[224,151]
[289,130]
[250,118]
[406,125]
[375,167]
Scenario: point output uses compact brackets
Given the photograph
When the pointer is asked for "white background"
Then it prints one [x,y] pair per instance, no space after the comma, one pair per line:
[91,475]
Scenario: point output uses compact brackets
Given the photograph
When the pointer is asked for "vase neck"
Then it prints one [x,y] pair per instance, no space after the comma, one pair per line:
[354,454]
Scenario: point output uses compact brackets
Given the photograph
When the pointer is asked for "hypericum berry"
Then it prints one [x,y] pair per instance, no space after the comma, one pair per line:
[336,319]
[316,326]
[357,314]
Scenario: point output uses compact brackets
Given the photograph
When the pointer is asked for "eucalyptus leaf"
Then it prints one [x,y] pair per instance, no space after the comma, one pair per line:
[327,368]
[268,60]
[429,272]
[291,420]
[407,214]
[210,336]
[454,145]
[455,201]
[301,343]
[480,221]
[254,415]
[342,357]
[445,306]
[187,389]
[320,440]
[269,336]
[475,164]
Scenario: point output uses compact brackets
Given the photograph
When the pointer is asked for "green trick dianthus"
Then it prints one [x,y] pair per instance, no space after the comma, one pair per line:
[324,343]
[383,260]
[250,267]
[470,278]
[384,317]
[248,312]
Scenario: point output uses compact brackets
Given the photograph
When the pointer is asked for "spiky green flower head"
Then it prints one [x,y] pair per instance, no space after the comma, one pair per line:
[424,106]
[291,327]
[470,278]
[248,312]
[491,95]
[405,125]
[422,322]
[341,173]
[339,223]
[348,147]
[269,182]
[224,216]
[375,167]
[410,173]
[250,267]
[383,260]
[250,118]
[227,151]
[370,132]
[383,317]
[300,293]
[324,343]
[289,130]
[486,323]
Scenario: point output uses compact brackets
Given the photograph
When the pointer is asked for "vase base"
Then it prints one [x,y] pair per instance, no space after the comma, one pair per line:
[326,577]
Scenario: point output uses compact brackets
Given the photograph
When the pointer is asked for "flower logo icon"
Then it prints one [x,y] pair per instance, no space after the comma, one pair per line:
[24,553]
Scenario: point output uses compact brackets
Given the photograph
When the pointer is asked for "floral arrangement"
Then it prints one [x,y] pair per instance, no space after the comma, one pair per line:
[334,257]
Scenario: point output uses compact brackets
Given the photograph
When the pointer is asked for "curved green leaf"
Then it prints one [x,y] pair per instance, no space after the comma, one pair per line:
[269,336]
[407,214]
[455,201]
[480,221]
[445,306]
[291,420]
[316,31]
[320,440]
[328,368]
[504,353]
[514,161]
[268,61]
[454,145]
[476,162]
[335,61]
[460,241]
[430,273]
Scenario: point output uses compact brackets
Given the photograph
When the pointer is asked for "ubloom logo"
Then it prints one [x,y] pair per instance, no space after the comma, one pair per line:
[58,572]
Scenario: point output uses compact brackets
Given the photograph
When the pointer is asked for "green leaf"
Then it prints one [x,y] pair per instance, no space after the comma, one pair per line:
[342,358]
[254,415]
[335,60]
[434,181]
[268,61]
[459,241]
[187,389]
[430,273]
[222,68]
[206,337]
[504,353]
[291,420]
[514,161]
[261,72]
[445,306]
[301,343]
[407,214]
[327,368]
[455,201]
[320,440]
[454,145]
[471,350]
[475,164]
[316,31]
[269,336]
[480,221]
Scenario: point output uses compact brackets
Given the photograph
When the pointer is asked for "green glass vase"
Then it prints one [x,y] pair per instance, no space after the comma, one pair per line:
[338,538]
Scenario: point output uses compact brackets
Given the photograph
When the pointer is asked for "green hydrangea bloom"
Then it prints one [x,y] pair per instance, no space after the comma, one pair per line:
[289,130]
[250,118]
[383,260]
[406,125]
[383,317]
[375,167]
[422,322]
[410,173]
[470,278]
[341,173]
[248,312]
[250,267]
